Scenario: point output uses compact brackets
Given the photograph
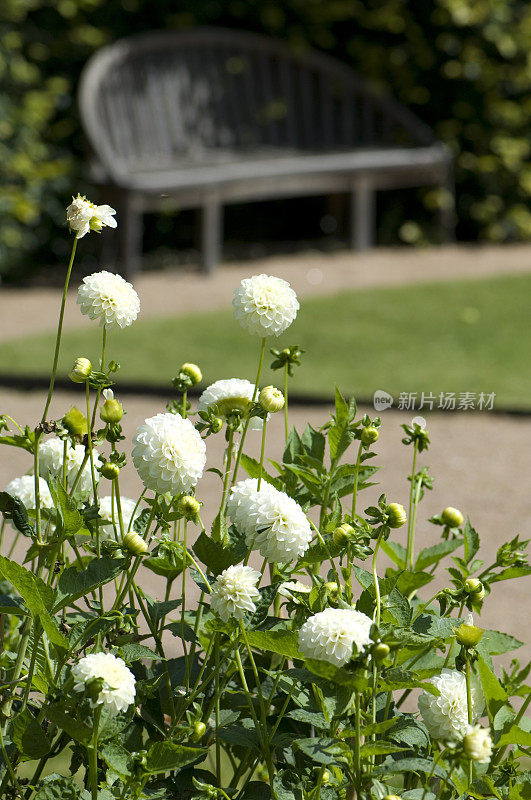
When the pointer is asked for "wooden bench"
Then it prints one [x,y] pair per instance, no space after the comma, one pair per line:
[207,117]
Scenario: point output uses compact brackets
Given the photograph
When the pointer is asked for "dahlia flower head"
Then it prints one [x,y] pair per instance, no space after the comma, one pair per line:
[477,744]
[83,216]
[229,395]
[51,462]
[446,716]
[331,635]
[118,682]
[168,454]
[110,298]
[108,506]
[234,591]
[272,522]
[265,305]
[24,489]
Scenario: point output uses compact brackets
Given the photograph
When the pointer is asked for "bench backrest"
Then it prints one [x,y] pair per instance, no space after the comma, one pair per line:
[170,97]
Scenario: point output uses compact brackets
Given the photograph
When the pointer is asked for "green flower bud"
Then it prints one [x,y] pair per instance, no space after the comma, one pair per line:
[474,586]
[110,470]
[193,372]
[325,778]
[332,589]
[397,515]
[392,797]
[369,435]
[271,399]
[111,411]
[75,422]
[188,506]
[199,731]
[452,517]
[380,652]
[134,544]
[342,534]
[216,425]
[468,635]
[81,370]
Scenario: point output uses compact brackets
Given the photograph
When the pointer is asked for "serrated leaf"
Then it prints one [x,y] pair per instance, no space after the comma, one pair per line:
[76,729]
[29,737]
[432,555]
[117,758]
[380,749]
[395,552]
[75,583]
[252,468]
[283,643]
[165,756]
[324,751]
[13,508]
[471,540]
[422,765]
[495,694]
[515,735]
[57,787]
[135,652]
[72,520]
[315,718]
[494,643]
[214,555]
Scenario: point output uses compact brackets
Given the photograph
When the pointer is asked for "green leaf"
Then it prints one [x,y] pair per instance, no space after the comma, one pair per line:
[515,735]
[283,642]
[314,443]
[37,596]
[134,652]
[252,468]
[341,407]
[75,583]
[355,680]
[71,519]
[432,555]
[471,540]
[29,736]
[510,573]
[411,581]
[13,508]
[425,765]
[494,643]
[395,552]
[315,718]
[117,758]
[57,787]
[397,678]
[495,694]
[214,555]
[165,756]
[380,749]
[324,751]
[76,729]
[164,566]
[220,533]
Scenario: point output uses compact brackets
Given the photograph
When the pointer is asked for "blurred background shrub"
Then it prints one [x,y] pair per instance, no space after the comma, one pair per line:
[463,66]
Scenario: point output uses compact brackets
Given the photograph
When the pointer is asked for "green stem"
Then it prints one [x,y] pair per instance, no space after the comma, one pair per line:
[286,423]
[357,745]
[183,605]
[184,405]
[217,707]
[470,712]
[226,477]
[375,578]
[246,426]
[59,332]
[93,754]
[262,451]
[356,474]
[410,527]
[9,767]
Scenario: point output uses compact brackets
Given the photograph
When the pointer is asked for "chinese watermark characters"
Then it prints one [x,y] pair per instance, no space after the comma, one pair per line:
[430,401]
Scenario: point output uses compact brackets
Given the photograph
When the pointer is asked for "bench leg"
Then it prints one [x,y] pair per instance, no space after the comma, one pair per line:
[362,215]
[130,225]
[211,235]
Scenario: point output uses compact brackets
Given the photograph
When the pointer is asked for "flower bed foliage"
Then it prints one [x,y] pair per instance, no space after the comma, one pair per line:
[296,681]
[461,65]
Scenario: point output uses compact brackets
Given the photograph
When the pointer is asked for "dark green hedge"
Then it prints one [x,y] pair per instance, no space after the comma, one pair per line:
[463,66]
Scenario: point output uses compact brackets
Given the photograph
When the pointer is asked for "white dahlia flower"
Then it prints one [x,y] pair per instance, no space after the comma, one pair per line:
[169,454]
[51,461]
[108,504]
[83,216]
[446,716]
[118,682]
[109,298]
[265,305]
[24,489]
[477,744]
[272,522]
[331,635]
[226,396]
[234,591]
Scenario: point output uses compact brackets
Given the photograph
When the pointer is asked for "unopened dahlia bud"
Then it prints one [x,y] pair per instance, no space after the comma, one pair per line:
[452,517]
[397,515]
[325,777]
[468,635]
[110,470]
[474,586]
[81,370]
[332,589]
[477,744]
[111,411]
[75,422]
[216,425]
[380,652]
[199,731]
[193,372]
[135,544]
[369,435]
[188,506]
[342,534]
[271,399]
[392,797]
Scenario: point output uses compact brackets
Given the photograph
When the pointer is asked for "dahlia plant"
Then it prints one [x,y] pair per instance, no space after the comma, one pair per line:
[310,673]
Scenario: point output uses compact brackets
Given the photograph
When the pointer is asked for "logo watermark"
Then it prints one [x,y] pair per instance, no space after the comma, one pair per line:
[430,401]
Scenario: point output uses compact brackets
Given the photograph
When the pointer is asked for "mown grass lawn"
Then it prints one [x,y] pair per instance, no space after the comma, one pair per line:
[465,336]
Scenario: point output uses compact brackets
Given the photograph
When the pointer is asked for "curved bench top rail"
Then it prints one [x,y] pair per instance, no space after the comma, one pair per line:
[208,95]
